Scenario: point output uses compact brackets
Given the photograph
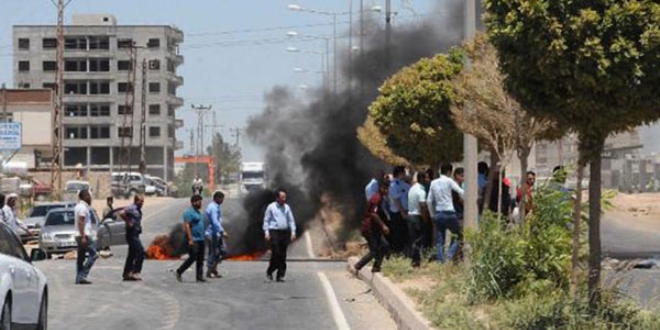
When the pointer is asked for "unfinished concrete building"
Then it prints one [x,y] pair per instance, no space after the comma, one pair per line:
[96,80]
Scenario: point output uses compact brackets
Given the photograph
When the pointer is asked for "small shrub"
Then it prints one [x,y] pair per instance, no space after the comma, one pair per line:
[398,268]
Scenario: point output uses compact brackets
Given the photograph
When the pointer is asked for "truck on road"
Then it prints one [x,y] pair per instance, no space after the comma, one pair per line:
[253,176]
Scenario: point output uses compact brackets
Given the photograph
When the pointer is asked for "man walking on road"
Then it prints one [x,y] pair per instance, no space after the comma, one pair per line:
[373,228]
[132,215]
[215,235]
[441,207]
[85,234]
[279,229]
[193,222]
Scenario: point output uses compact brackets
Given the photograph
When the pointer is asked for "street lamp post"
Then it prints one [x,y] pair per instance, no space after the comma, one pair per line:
[327,55]
[324,64]
[296,7]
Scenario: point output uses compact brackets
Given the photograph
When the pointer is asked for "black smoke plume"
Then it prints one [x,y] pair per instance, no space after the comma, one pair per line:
[311,146]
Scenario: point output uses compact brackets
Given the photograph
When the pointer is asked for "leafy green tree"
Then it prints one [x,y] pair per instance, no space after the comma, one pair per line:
[227,158]
[412,111]
[591,66]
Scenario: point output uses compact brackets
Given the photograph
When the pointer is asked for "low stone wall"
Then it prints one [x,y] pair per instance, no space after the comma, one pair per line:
[99,181]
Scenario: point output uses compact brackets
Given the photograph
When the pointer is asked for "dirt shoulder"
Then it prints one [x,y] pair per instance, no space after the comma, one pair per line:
[640,212]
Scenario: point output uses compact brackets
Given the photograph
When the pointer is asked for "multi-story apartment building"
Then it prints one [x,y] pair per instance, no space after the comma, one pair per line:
[96,81]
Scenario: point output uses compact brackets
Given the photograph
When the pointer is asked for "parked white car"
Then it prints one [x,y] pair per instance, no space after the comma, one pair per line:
[23,288]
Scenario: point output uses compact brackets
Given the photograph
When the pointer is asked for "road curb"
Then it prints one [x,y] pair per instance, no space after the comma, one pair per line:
[398,304]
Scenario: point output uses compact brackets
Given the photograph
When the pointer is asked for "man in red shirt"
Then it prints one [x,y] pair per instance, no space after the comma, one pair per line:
[528,186]
[373,228]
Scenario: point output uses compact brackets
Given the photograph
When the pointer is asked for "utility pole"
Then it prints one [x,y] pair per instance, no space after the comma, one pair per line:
[469,141]
[361,46]
[125,158]
[236,132]
[58,157]
[143,120]
[4,119]
[350,48]
[192,140]
[388,33]
[200,110]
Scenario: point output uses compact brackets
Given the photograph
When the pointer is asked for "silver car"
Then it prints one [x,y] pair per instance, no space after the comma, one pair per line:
[58,234]
[112,230]
[37,216]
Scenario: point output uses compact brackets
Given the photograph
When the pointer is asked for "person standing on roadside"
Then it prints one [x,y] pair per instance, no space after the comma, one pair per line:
[132,215]
[280,230]
[85,234]
[193,222]
[215,235]
[459,178]
[373,227]
[398,195]
[418,215]
[9,215]
[441,207]
[108,207]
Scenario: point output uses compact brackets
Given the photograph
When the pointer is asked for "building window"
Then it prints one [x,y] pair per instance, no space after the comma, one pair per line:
[154,65]
[123,65]
[102,43]
[154,87]
[24,66]
[76,132]
[75,43]
[154,131]
[99,110]
[49,43]
[99,65]
[124,87]
[99,87]
[125,132]
[171,88]
[170,131]
[170,111]
[75,110]
[99,132]
[75,87]
[24,44]
[154,110]
[75,65]
[124,43]
[170,66]
[153,43]
[24,85]
[52,86]
[124,110]
[50,66]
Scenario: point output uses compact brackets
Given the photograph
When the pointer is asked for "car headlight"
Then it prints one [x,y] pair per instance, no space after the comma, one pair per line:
[47,237]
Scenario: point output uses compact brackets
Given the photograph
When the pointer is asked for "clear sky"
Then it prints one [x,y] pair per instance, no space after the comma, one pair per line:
[235,50]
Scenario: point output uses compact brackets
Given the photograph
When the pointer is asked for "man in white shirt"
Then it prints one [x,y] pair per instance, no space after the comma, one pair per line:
[441,206]
[85,236]
[417,216]
[9,215]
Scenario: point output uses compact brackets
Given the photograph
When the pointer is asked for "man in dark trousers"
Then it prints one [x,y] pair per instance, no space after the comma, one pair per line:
[279,229]
[373,228]
[132,215]
[193,222]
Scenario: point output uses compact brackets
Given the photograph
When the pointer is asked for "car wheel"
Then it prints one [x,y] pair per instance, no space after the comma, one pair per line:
[43,313]
[5,319]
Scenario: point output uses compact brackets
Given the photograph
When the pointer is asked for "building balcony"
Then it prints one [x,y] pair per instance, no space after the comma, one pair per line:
[178,145]
[178,123]
[177,80]
[175,101]
[176,34]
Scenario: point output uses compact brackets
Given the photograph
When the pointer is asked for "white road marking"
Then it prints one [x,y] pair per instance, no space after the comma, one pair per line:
[308,240]
[337,314]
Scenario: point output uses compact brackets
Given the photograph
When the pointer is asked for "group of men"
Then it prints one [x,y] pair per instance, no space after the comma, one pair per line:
[404,219]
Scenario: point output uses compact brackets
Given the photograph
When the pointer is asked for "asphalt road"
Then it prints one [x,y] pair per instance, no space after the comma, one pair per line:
[620,241]
[317,295]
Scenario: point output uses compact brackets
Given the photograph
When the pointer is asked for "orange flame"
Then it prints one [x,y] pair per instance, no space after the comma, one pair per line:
[160,249]
[247,257]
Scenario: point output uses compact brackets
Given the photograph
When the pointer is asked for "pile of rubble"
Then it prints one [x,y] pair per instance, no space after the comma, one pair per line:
[626,265]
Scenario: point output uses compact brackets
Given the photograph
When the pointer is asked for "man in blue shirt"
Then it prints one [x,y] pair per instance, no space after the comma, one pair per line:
[398,210]
[132,215]
[279,229]
[215,235]
[193,222]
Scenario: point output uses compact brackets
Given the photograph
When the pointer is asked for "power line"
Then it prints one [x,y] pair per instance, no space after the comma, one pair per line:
[268,29]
